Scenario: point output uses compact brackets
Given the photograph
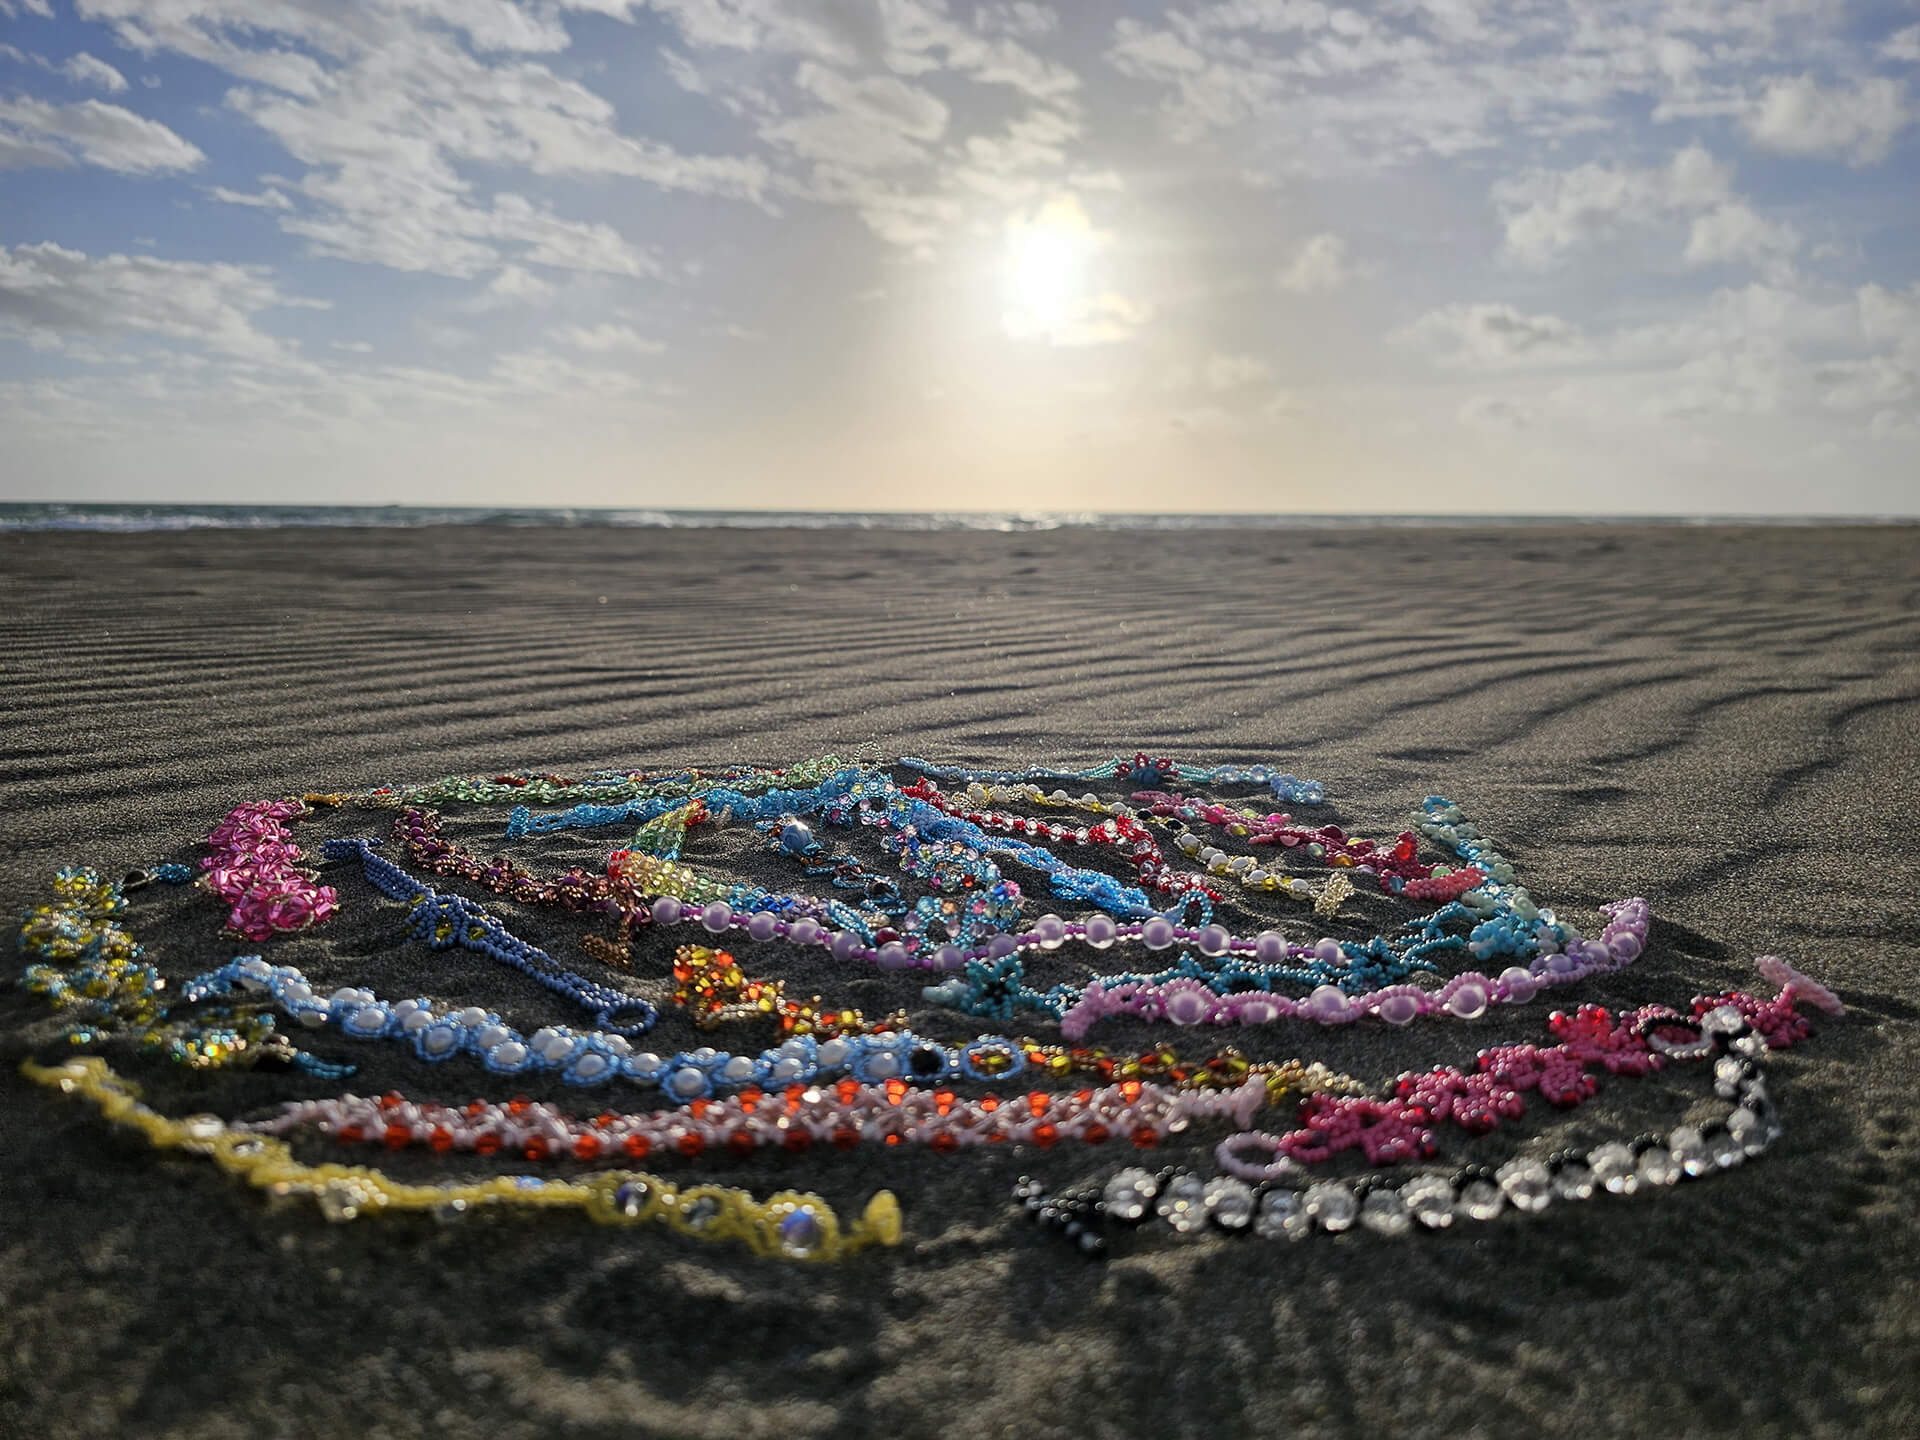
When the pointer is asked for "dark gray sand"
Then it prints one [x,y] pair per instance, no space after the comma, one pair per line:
[1724,721]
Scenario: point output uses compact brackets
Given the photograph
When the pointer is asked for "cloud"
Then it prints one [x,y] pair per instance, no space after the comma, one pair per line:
[606,338]
[83,69]
[871,123]
[1016,17]
[389,113]
[268,199]
[37,133]
[1902,45]
[1320,266]
[512,286]
[1493,337]
[1797,117]
[1733,234]
[50,291]
[1549,213]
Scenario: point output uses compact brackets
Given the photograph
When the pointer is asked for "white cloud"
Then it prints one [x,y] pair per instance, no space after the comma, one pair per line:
[354,347]
[1797,117]
[1733,234]
[1493,337]
[83,69]
[1549,213]
[1902,45]
[606,338]
[1321,265]
[1016,17]
[42,8]
[37,133]
[268,199]
[512,286]
[388,111]
[50,291]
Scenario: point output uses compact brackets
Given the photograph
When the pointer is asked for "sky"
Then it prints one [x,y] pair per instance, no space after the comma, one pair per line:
[1422,256]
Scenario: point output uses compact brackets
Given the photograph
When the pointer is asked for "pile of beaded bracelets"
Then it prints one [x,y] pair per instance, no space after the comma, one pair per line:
[1277,1207]
[790,1225]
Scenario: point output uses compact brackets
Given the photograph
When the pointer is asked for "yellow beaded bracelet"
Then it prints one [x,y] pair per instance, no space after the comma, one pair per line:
[791,1225]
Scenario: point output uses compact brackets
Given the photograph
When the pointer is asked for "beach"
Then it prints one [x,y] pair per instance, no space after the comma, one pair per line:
[1721,719]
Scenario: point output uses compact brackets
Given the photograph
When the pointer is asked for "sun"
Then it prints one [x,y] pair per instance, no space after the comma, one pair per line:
[1047,265]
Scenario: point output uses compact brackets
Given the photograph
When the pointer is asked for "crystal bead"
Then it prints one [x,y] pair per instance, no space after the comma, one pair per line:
[204,1127]
[1573,1181]
[1689,1147]
[1613,1168]
[1332,1204]
[1430,1199]
[1658,1166]
[1385,1212]
[1281,1213]
[448,1212]
[1725,1150]
[339,1201]
[1480,1200]
[1130,1194]
[1183,1203]
[1748,1131]
[1727,1075]
[702,1212]
[1723,1020]
[1528,1184]
[1229,1202]
[801,1233]
[631,1198]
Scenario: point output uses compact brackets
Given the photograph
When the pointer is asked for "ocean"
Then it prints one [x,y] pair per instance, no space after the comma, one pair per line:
[55,516]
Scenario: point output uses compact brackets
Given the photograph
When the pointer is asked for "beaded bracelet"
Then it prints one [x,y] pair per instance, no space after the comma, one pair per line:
[848,783]
[252,869]
[843,1116]
[447,920]
[547,789]
[599,1057]
[711,987]
[1141,771]
[790,1225]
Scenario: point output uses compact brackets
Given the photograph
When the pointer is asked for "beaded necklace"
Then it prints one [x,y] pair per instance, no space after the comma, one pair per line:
[791,1225]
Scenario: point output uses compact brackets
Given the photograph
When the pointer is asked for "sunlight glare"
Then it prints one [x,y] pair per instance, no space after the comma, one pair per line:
[1046,269]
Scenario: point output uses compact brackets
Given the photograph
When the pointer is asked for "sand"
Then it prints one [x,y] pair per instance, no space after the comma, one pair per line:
[1722,720]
